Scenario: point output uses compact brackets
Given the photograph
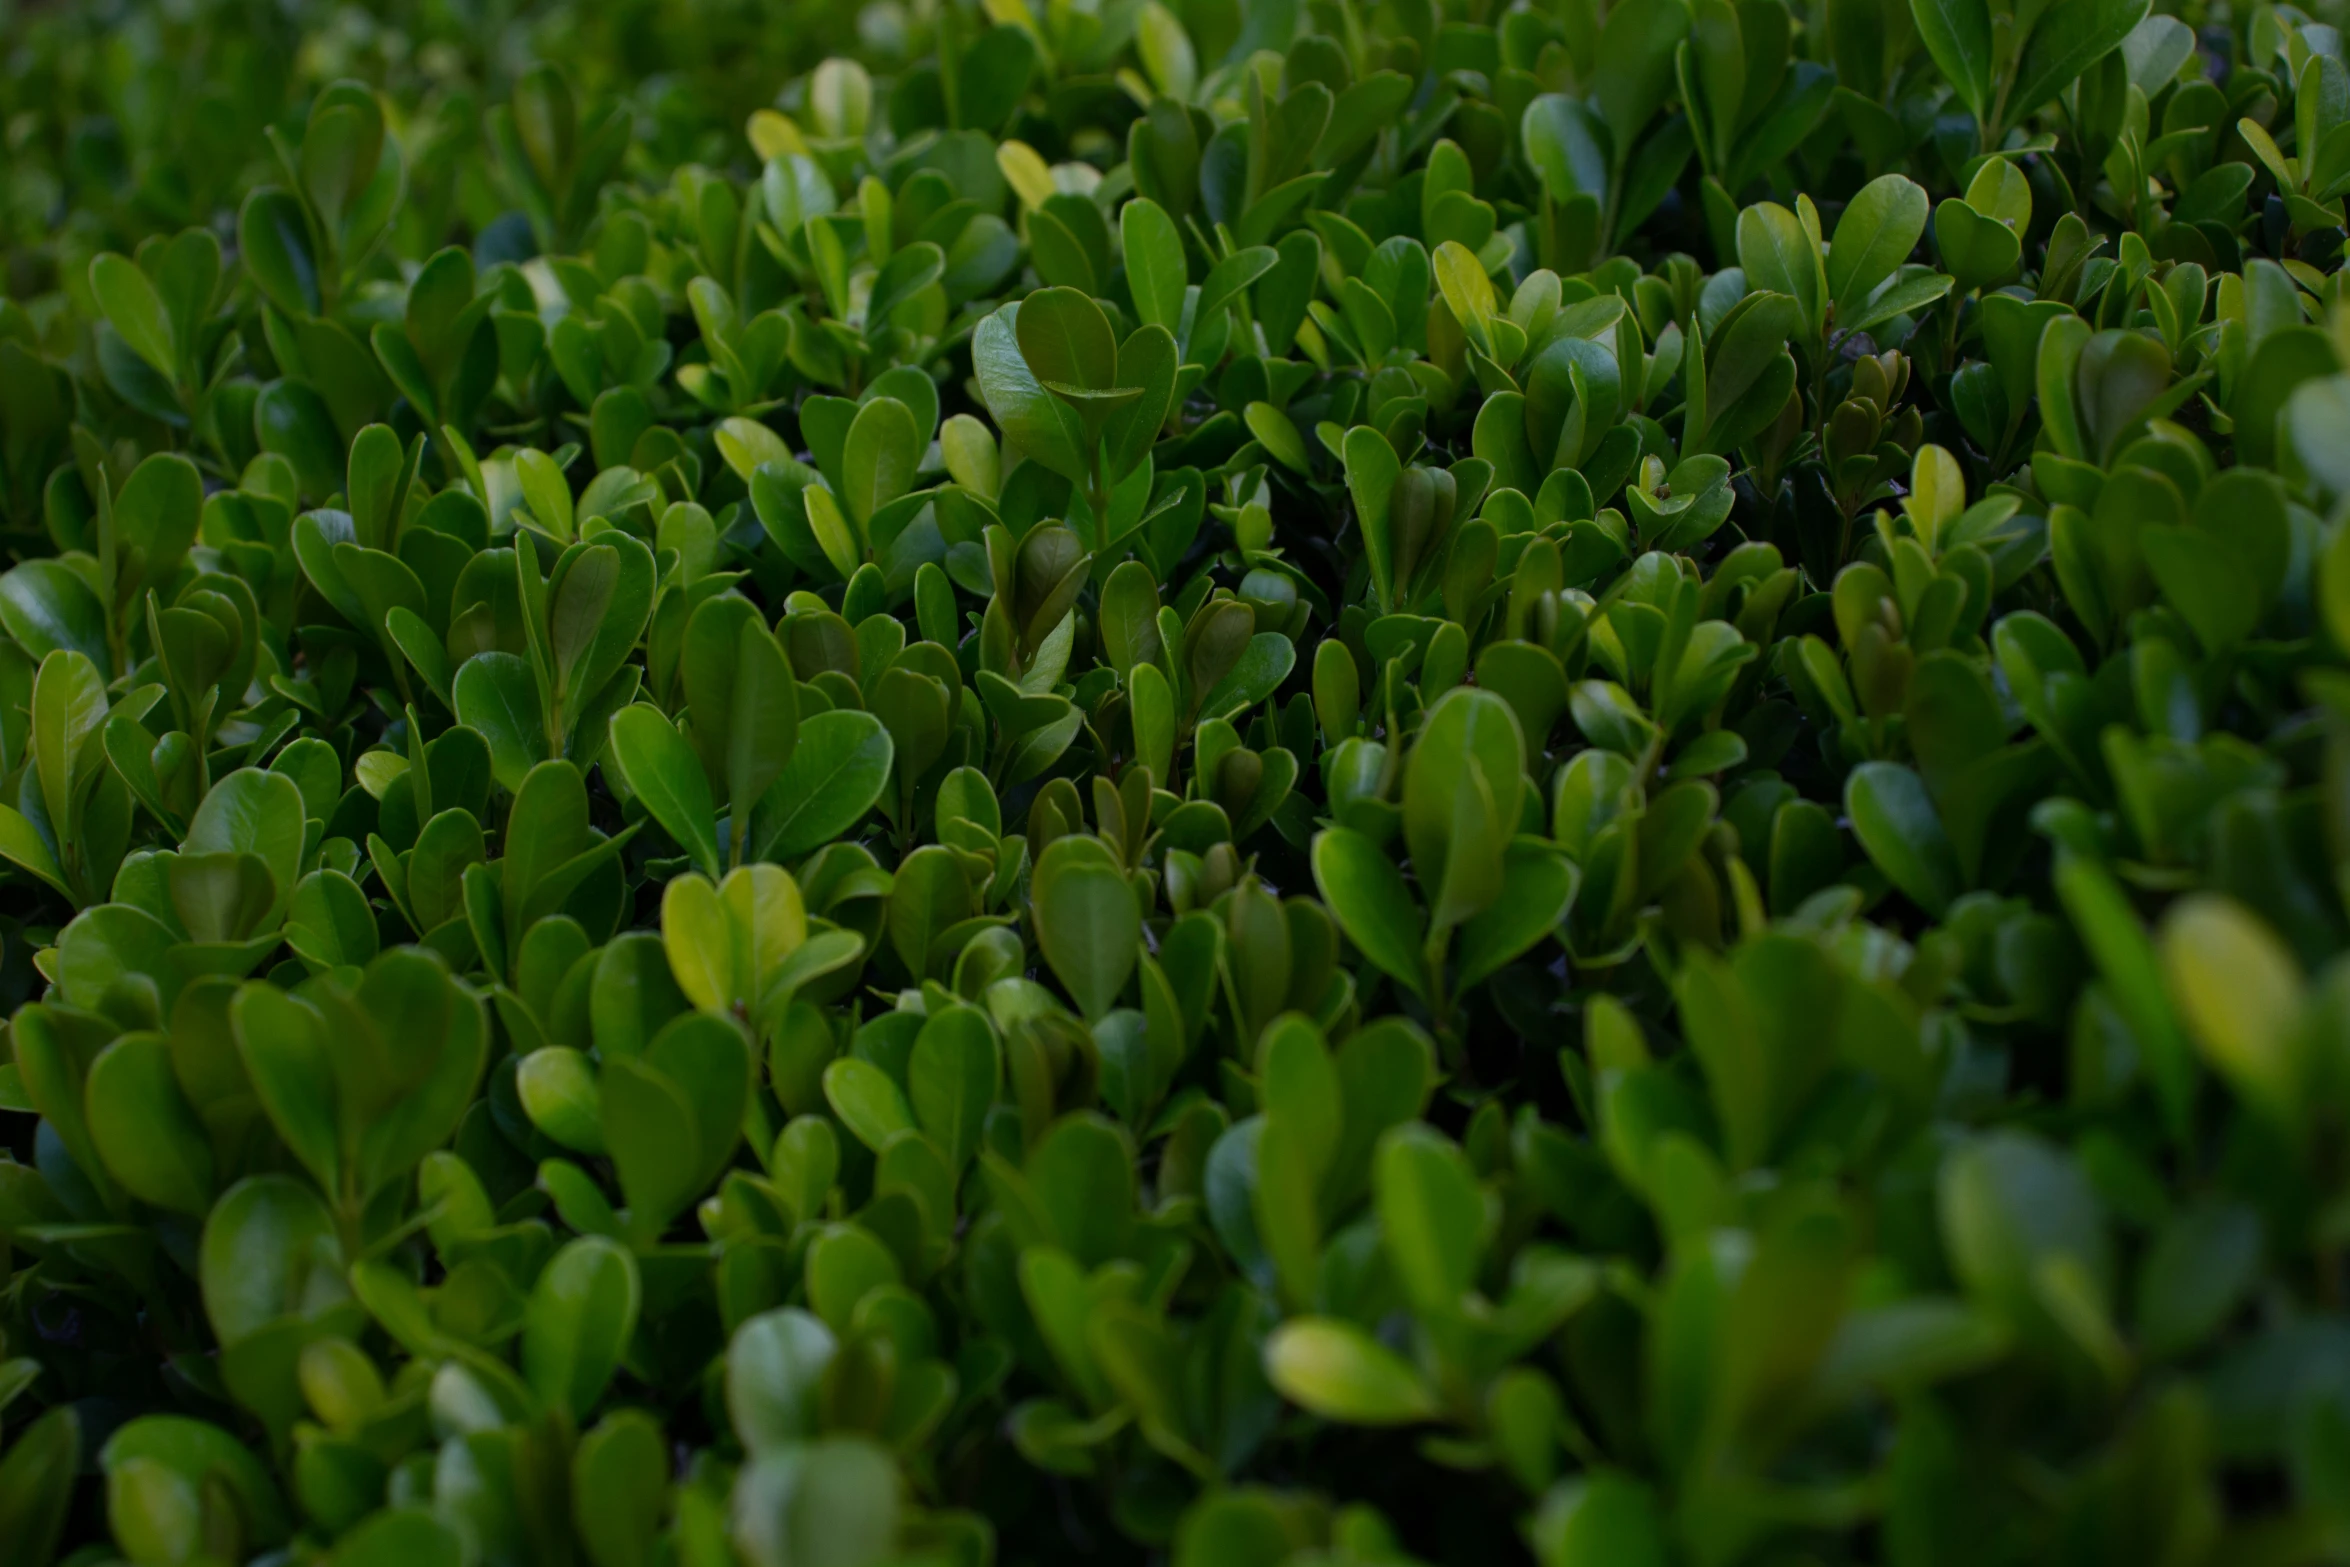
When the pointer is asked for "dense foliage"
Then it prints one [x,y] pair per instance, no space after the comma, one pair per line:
[1204,780]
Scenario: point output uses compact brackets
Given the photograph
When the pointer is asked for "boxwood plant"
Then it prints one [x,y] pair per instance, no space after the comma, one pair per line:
[1175,780]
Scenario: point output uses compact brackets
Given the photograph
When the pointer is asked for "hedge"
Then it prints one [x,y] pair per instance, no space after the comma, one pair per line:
[1197,781]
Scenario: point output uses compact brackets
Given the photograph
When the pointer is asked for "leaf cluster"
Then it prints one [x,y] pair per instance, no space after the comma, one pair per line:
[1240,784]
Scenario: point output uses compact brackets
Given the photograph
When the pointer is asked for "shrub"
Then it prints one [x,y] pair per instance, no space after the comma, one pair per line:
[1134,786]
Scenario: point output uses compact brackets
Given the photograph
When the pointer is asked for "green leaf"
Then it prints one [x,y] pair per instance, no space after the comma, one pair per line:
[410,1536]
[1367,896]
[879,458]
[2198,1271]
[1039,424]
[867,1100]
[273,240]
[835,1501]
[1265,661]
[1467,291]
[198,1456]
[340,148]
[1897,824]
[1779,254]
[649,1126]
[22,844]
[134,309]
[547,493]
[2068,40]
[1537,889]
[257,813]
[1881,225]
[747,445]
[68,713]
[561,1095]
[145,1129]
[329,922]
[1371,474]
[582,1312]
[36,1485]
[268,1245]
[663,772]
[1147,365]
[2205,577]
[775,1368]
[499,698]
[1066,340]
[1229,279]
[1906,295]
[47,607]
[1082,1172]
[1284,294]
[1087,922]
[952,1077]
[2134,374]
[1431,1217]
[1337,1371]
[1635,68]
[835,533]
[846,1263]
[1605,1519]
[1462,787]
[1749,373]
[1568,145]
[2009,1203]
[903,278]
[621,1488]
[1155,267]
[292,422]
[2317,424]
[278,1040]
[837,771]
[1978,250]
[2242,997]
[1300,1091]
[1957,34]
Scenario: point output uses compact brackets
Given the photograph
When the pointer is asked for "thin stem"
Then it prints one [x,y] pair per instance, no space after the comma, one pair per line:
[1097,496]
[1439,1003]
